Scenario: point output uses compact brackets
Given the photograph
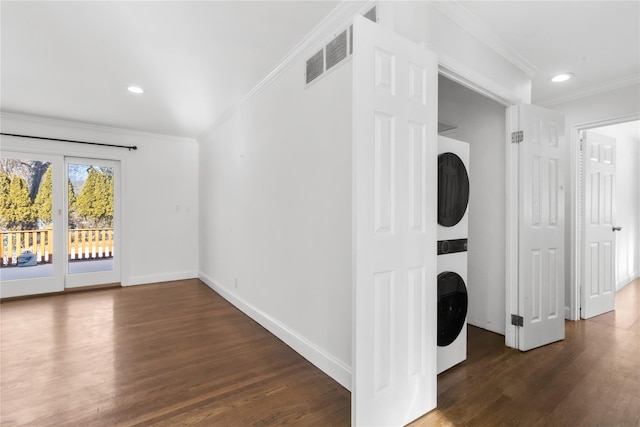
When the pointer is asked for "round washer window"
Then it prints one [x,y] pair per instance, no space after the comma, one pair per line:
[452,307]
[453,189]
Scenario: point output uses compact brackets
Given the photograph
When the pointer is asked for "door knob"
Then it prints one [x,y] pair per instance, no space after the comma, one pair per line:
[617,228]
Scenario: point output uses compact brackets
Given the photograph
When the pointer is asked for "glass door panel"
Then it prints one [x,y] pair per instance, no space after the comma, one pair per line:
[92,234]
[30,224]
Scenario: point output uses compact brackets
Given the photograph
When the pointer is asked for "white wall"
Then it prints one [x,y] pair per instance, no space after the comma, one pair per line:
[621,104]
[481,123]
[158,242]
[275,219]
[442,28]
[627,202]
[275,192]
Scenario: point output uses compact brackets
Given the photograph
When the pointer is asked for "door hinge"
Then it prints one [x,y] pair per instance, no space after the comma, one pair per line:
[517,320]
[517,137]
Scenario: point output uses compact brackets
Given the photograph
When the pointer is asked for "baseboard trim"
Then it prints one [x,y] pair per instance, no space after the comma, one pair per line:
[487,326]
[622,283]
[567,313]
[66,291]
[324,361]
[158,278]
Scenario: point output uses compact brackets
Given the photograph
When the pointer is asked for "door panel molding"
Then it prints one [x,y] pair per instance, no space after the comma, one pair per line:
[535,228]
[572,310]
[394,178]
[597,249]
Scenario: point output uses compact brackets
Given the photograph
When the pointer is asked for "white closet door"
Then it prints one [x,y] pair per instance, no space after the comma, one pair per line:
[394,184]
[598,292]
[541,278]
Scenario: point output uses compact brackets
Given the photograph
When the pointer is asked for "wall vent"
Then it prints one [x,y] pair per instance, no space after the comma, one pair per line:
[335,52]
[372,14]
[315,66]
[336,49]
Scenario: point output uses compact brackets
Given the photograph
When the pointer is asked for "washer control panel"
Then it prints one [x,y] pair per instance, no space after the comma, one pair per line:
[451,246]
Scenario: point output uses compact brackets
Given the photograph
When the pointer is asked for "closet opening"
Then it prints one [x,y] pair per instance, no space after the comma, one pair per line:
[469,122]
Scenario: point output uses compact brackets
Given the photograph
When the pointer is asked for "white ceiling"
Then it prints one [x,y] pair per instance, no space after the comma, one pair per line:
[598,41]
[196,59]
[73,60]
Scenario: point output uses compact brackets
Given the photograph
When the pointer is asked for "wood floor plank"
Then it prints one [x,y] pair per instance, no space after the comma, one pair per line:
[592,378]
[169,354]
[178,354]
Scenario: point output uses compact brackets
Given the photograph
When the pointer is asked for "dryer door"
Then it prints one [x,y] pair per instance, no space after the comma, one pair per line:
[452,307]
[453,189]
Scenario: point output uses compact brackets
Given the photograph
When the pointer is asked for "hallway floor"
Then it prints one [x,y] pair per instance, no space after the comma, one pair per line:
[591,378]
[178,354]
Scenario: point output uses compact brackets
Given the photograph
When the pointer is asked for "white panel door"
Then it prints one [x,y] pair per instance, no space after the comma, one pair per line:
[394,185]
[541,227]
[597,259]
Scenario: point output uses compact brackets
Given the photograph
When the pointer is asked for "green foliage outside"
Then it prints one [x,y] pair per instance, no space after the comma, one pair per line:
[17,210]
[92,207]
[5,183]
[71,195]
[94,204]
[44,199]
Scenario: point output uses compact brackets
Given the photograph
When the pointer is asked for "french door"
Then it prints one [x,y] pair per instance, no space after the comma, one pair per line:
[31,224]
[59,223]
[92,223]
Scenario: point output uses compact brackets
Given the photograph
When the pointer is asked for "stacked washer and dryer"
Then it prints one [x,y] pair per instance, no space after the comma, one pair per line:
[453,226]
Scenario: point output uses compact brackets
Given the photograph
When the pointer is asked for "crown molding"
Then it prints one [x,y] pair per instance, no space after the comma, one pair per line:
[466,20]
[25,118]
[631,80]
[336,21]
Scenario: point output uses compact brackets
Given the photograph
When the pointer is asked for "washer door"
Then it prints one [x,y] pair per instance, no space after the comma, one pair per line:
[452,307]
[453,189]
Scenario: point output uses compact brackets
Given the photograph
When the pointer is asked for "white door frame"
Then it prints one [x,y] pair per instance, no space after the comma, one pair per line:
[67,149]
[102,277]
[572,311]
[461,74]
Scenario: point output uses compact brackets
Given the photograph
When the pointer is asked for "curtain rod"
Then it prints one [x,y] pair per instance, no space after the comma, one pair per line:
[129,147]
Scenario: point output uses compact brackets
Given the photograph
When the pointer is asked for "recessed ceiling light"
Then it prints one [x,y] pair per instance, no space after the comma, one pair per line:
[561,77]
[135,89]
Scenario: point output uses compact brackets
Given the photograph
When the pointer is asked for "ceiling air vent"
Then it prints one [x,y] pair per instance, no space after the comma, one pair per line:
[371,15]
[337,49]
[315,66]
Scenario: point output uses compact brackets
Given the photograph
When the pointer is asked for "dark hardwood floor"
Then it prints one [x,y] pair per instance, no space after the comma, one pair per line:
[591,378]
[168,354]
[178,354]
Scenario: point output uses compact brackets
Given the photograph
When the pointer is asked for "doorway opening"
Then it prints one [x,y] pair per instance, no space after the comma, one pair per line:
[467,115]
[601,273]
[59,223]
[93,236]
